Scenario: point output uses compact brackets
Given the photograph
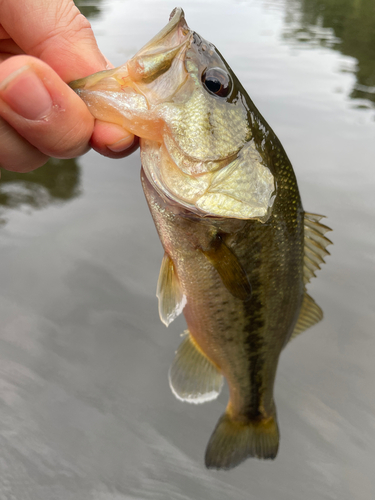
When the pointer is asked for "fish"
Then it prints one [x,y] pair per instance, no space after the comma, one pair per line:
[239,249]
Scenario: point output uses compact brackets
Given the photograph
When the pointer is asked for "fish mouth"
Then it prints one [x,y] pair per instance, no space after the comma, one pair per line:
[165,52]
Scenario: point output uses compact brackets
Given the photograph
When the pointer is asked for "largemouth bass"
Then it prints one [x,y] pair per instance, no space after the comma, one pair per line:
[239,248]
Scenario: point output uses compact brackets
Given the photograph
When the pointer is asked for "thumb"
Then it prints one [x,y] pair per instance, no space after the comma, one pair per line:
[56,32]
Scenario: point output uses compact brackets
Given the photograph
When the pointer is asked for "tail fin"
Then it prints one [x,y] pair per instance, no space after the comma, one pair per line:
[232,442]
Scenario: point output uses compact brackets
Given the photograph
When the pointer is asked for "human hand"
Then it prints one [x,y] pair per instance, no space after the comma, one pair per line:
[45,44]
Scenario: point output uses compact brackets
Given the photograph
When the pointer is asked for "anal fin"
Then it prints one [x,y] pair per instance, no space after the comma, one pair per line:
[192,376]
[168,291]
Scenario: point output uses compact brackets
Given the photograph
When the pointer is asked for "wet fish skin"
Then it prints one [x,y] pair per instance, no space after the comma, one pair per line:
[239,248]
[243,338]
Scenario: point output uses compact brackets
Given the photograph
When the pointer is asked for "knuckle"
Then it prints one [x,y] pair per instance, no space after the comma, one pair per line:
[69,23]
[23,168]
[22,164]
[16,153]
[70,142]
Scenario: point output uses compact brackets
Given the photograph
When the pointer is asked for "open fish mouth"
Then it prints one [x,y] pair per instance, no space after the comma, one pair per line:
[165,52]
[126,95]
[173,34]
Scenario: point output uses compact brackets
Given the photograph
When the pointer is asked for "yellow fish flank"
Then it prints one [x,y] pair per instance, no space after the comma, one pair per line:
[239,248]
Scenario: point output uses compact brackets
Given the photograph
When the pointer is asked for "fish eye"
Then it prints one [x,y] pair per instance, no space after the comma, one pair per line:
[217,82]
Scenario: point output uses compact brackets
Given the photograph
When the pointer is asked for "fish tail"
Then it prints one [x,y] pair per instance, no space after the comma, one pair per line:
[232,441]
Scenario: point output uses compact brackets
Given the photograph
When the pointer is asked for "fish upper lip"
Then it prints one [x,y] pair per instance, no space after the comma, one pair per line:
[177,16]
[177,21]
[169,44]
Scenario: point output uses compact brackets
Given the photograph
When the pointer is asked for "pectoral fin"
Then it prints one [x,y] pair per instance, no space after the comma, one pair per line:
[228,266]
[168,291]
[309,315]
[192,376]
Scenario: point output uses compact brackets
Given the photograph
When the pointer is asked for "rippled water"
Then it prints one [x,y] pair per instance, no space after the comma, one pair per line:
[85,407]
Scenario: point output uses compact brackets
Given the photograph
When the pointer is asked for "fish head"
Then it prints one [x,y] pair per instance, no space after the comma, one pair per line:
[185,103]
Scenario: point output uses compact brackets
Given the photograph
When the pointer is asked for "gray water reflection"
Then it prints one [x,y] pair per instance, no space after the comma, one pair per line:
[56,182]
[344,25]
[85,407]
[89,8]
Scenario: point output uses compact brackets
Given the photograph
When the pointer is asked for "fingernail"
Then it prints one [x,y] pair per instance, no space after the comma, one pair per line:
[122,144]
[25,93]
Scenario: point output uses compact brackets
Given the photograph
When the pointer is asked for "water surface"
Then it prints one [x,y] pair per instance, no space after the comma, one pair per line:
[85,407]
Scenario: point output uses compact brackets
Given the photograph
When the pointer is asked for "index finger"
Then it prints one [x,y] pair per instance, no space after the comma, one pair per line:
[56,32]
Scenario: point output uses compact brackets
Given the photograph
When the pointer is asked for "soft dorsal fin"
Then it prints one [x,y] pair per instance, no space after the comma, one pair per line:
[228,266]
[168,291]
[315,244]
[192,376]
[309,315]
[314,252]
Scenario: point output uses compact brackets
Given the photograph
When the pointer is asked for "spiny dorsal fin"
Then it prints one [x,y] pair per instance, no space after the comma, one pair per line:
[192,376]
[309,315]
[228,266]
[315,244]
[168,291]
